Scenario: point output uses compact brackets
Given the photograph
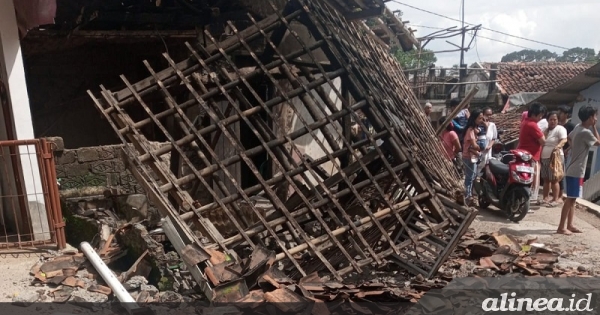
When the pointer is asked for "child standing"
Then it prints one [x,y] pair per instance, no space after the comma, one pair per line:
[481,134]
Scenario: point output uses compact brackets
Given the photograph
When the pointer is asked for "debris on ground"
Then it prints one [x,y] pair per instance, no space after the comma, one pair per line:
[70,277]
[492,255]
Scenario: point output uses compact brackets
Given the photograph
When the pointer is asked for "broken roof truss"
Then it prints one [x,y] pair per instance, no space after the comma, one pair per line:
[264,155]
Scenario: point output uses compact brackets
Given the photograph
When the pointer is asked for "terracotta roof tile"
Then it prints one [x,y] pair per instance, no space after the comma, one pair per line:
[535,76]
[510,122]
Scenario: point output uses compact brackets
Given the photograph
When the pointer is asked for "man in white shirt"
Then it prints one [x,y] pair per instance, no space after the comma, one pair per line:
[491,136]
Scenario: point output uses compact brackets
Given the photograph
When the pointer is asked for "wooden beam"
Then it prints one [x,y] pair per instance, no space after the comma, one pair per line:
[232,42]
[327,66]
[364,14]
[567,91]
[593,74]
[277,35]
[458,108]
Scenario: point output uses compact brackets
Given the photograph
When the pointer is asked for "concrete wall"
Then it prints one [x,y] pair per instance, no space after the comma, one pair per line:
[13,75]
[307,144]
[90,170]
[590,96]
[478,76]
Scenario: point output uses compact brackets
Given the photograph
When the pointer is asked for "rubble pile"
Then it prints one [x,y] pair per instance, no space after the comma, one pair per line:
[262,156]
[70,277]
[493,255]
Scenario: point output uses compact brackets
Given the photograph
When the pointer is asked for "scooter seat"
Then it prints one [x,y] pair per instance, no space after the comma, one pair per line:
[498,167]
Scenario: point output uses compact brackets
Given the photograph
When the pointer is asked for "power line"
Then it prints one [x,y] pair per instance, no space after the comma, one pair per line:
[501,41]
[476,48]
[484,28]
[488,38]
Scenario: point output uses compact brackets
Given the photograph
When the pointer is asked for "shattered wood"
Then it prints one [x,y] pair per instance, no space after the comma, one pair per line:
[317,196]
[272,285]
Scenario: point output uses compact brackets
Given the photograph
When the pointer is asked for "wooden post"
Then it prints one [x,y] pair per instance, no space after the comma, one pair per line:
[431,89]
[492,85]
[458,108]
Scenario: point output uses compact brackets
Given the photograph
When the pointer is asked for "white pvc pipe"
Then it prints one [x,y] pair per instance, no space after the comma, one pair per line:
[109,277]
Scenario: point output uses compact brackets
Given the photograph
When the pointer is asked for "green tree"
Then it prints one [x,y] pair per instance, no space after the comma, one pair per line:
[414,59]
[579,54]
[576,54]
[529,55]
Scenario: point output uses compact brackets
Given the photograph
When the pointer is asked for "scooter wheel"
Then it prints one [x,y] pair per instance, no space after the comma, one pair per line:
[484,202]
[518,207]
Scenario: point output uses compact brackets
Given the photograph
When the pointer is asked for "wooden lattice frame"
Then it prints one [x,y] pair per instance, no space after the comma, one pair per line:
[382,174]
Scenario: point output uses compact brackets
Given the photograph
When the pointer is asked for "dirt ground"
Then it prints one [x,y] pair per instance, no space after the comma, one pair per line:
[15,266]
[577,249]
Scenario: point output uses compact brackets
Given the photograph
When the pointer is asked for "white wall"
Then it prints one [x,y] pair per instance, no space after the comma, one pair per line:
[477,76]
[307,144]
[14,74]
[591,97]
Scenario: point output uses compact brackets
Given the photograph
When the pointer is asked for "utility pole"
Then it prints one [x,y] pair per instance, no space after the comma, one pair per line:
[463,68]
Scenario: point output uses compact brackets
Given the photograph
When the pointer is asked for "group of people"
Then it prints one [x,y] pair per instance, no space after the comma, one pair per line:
[568,140]
[469,139]
[546,135]
[471,135]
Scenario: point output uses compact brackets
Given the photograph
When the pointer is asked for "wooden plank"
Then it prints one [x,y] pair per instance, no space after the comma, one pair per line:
[223,149]
[457,110]
[230,43]
[179,243]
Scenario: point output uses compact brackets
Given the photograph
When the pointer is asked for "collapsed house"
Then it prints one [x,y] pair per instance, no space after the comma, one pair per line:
[261,157]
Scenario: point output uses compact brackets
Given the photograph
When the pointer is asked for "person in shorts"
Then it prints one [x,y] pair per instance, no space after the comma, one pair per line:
[582,138]
[564,119]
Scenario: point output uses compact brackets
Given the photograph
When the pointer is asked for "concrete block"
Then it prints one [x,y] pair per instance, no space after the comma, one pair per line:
[136,206]
[106,152]
[61,171]
[118,166]
[102,167]
[59,144]
[87,155]
[66,157]
[76,169]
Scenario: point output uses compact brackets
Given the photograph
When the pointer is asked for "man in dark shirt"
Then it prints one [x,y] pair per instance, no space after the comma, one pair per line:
[564,119]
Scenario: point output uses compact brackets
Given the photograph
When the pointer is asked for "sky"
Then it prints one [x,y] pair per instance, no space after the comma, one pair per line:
[562,23]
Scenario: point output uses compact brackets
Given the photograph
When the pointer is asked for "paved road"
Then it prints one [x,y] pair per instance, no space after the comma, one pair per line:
[577,249]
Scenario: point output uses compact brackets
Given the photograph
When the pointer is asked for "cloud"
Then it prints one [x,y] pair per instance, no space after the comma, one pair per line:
[557,22]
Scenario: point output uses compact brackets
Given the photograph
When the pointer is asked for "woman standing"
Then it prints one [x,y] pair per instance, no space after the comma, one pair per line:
[450,140]
[471,152]
[556,138]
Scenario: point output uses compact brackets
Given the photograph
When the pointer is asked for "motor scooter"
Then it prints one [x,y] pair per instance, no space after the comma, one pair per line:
[506,182]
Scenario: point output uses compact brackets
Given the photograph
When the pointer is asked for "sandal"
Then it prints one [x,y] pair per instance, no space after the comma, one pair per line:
[552,204]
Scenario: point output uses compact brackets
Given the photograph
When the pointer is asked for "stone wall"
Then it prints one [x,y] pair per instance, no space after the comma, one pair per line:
[100,167]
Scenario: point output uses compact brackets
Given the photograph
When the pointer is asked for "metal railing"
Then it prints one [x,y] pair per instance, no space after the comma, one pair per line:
[30,212]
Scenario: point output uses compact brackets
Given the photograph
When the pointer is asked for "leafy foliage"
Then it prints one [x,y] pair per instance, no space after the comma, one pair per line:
[579,54]
[413,59]
[528,55]
[576,54]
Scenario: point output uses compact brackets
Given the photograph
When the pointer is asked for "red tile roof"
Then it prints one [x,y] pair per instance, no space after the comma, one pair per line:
[516,77]
[510,122]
